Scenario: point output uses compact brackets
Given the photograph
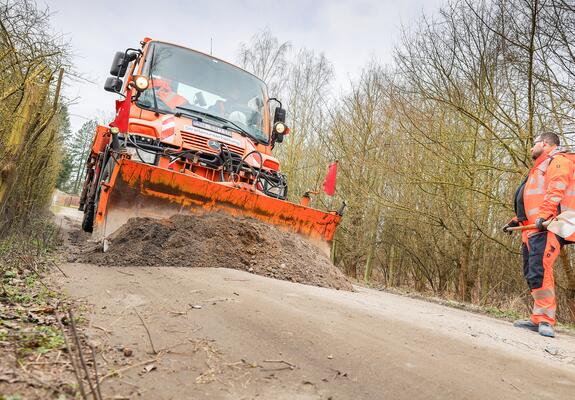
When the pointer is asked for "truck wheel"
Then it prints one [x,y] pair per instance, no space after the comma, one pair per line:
[88,220]
[90,207]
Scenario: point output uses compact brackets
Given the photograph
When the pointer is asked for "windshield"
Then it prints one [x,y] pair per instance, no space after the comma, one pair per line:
[184,79]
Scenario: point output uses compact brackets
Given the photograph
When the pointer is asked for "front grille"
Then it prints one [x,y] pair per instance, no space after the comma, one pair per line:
[201,143]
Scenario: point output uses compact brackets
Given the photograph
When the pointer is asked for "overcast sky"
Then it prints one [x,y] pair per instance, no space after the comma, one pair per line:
[348,32]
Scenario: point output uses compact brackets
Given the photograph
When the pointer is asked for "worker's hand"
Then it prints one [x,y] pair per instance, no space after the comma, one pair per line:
[539,224]
[511,224]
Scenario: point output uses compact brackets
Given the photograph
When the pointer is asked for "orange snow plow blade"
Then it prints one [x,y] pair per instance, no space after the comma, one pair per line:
[142,190]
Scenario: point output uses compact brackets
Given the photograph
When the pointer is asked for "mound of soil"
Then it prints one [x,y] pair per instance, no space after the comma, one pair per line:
[219,240]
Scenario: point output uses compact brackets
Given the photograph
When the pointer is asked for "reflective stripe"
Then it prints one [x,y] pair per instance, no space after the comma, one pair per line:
[543,294]
[560,185]
[544,311]
[532,211]
[540,189]
[168,125]
[555,199]
[570,192]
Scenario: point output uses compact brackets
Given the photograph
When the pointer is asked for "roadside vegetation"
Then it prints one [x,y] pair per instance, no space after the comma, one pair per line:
[432,146]
[32,66]
[35,361]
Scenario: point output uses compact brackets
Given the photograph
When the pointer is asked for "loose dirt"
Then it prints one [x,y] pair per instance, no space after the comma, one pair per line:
[221,241]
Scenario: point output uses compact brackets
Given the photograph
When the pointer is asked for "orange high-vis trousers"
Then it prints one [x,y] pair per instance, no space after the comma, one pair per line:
[539,254]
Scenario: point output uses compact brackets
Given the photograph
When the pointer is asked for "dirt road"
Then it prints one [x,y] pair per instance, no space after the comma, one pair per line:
[227,334]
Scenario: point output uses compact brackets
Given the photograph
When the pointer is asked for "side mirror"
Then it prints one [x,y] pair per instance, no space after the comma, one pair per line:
[113,85]
[279,115]
[120,63]
[118,67]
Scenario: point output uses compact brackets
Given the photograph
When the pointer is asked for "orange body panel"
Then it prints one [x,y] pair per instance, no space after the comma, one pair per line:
[142,190]
[101,139]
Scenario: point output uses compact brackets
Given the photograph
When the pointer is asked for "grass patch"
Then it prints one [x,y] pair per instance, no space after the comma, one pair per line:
[39,340]
[510,315]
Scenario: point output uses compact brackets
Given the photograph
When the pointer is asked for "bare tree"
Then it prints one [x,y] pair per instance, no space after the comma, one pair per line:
[31,72]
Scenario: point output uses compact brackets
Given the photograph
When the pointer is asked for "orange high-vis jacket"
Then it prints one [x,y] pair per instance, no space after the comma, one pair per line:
[548,189]
[165,92]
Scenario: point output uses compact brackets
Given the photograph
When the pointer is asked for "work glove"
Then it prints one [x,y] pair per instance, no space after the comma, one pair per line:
[539,224]
[511,224]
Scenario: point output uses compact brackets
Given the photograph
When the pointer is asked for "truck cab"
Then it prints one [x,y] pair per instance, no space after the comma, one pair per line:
[192,134]
[212,117]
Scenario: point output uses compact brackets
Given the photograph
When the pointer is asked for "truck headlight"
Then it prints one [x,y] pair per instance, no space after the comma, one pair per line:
[141,83]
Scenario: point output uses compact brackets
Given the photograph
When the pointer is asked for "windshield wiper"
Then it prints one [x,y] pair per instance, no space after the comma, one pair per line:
[223,120]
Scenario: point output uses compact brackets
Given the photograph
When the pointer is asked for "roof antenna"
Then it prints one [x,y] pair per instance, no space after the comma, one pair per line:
[211,44]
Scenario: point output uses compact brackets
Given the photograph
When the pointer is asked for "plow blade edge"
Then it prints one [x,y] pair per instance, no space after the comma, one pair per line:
[142,190]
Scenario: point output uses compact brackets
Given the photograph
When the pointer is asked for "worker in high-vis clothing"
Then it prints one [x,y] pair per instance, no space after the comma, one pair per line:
[539,198]
[165,91]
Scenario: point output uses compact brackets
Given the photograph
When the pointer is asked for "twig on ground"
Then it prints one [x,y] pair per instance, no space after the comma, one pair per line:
[118,371]
[147,331]
[59,269]
[217,300]
[32,265]
[47,362]
[72,358]
[81,354]
[290,365]
[102,329]
[104,358]
[96,372]
[512,385]
[125,273]
[168,348]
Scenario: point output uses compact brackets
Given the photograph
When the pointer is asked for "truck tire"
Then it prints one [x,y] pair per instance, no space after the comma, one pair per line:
[90,206]
[88,220]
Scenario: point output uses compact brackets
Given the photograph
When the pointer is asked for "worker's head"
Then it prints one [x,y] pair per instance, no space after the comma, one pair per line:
[544,142]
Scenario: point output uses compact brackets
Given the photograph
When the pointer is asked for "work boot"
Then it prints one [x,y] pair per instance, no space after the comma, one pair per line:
[546,329]
[526,324]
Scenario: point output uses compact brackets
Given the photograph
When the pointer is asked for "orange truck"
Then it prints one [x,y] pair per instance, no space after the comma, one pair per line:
[193,134]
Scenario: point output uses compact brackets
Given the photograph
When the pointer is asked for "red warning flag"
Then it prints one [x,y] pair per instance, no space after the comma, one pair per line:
[329,183]
[123,113]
